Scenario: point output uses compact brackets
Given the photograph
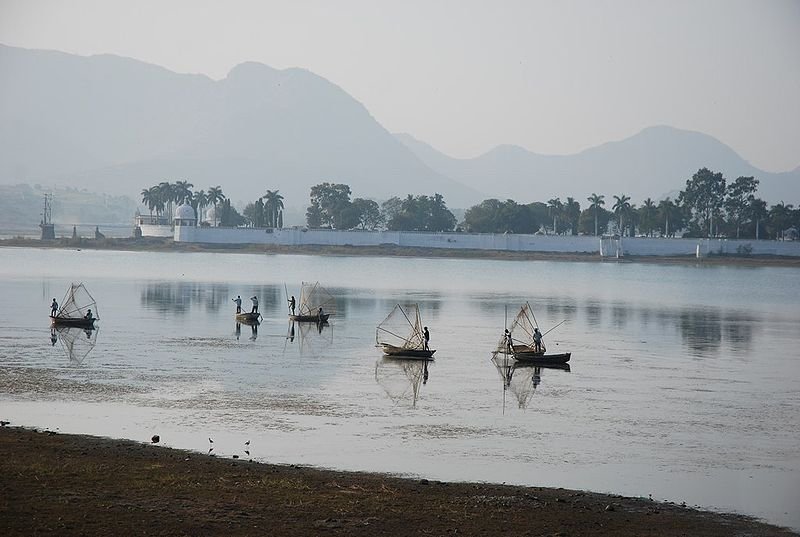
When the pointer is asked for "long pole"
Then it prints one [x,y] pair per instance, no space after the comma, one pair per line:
[556,326]
[286,291]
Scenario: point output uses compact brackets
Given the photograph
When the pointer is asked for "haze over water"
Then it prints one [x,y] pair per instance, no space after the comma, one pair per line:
[683,384]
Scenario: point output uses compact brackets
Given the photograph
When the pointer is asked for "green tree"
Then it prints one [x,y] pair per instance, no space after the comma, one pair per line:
[228,215]
[757,213]
[369,214]
[704,196]
[273,208]
[151,199]
[738,197]
[495,216]
[621,208]
[214,197]
[328,200]
[594,220]
[666,212]
[555,208]
[182,191]
[572,213]
[780,216]
[647,217]
[199,201]
[423,213]
[597,202]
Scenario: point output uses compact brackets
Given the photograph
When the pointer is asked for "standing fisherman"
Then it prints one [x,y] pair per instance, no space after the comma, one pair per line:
[291,304]
[254,299]
[537,340]
[53,308]
[238,302]
[427,336]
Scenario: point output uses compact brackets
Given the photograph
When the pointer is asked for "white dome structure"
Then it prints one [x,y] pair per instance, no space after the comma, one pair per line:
[211,216]
[184,216]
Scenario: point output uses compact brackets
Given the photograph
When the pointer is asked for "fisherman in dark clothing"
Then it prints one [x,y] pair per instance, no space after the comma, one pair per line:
[291,304]
[427,336]
[238,302]
[53,308]
[254,300]
[537,340]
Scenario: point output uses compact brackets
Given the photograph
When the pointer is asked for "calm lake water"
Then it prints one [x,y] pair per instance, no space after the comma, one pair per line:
[684,380]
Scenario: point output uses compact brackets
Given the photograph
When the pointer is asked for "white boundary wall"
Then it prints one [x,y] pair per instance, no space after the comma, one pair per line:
[477,241]
[156,230]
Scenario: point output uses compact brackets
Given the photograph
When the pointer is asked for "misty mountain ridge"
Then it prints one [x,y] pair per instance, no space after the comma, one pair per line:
[118,125]
[655,163]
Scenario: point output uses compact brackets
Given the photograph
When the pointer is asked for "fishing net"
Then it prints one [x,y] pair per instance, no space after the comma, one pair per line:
[77,342]
[521,331]
[313,297]
[401,328]
[401,379]
[77,302]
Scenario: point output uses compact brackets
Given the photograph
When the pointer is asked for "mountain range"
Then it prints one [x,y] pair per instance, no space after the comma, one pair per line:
[117,125]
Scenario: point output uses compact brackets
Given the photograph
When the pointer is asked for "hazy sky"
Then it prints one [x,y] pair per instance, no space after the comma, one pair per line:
[551,76]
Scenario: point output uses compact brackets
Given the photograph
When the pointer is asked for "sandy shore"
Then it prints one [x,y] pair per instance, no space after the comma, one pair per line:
[55,484]
[153,244]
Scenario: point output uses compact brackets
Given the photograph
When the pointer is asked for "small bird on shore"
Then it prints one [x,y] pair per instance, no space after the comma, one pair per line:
[155,439]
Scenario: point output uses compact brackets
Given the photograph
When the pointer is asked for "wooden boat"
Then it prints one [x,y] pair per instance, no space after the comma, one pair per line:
[401,334]
[75,307]
[248,318]
[540,357]
[313,297]
[310,318]
[522,347]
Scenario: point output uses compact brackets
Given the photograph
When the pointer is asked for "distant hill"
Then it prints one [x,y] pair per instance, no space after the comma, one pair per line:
[119,125]
[21,207]
[653,163]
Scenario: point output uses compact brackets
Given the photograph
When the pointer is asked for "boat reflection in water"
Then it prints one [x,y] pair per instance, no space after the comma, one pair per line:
[402,379]
[313,338]
[76,342]
[521,379]
[253,329]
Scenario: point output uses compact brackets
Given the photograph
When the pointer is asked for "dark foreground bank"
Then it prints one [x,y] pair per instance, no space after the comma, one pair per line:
[54,484]
[156,244]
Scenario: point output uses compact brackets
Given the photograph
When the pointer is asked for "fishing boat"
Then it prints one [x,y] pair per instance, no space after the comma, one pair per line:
[401,334]
[521,345]
[78,309]
[248,318]
[316,304]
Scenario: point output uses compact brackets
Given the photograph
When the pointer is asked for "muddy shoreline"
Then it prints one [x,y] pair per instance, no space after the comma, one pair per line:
[154,244]
[58,484]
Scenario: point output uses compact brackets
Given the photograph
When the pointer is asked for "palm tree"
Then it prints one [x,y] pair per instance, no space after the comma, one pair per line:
[621,207]
[572,211]
[666,207]
[596,202]
[199,201]
[183,191]
[273,206]
[556,208]
[648,213]
[780,214]
[150,199]
[758,212]
[215,196]
[167,194]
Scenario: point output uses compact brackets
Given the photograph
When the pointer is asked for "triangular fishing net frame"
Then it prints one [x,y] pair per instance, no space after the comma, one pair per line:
[401,328]
[77,302]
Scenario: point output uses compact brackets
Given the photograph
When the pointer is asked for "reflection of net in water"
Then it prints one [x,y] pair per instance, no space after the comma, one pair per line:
[402,328]
[313,338]
[313,297]
[77,302]
[401,379]
[520,381]
[77,342]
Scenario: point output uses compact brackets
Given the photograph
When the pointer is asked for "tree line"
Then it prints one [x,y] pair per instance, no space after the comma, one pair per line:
[708,206]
